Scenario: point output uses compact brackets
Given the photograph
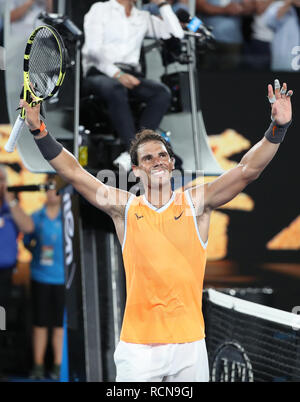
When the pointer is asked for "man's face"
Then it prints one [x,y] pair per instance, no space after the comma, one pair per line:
[52,197]
[2,183]
[154,164]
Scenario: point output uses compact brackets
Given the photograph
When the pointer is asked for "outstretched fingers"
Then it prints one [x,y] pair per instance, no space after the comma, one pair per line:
[285,94]
[279,93]
[271,96]
[277,89]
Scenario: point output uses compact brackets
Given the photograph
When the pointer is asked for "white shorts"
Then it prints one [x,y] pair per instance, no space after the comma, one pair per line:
[178,362]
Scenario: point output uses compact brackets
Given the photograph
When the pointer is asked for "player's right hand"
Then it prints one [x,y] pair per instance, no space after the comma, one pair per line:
[32,118]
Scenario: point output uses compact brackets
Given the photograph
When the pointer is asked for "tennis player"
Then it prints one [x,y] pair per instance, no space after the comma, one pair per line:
[164,238]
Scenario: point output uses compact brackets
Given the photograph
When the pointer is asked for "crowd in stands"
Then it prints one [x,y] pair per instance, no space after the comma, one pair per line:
[44,239]
[252,34]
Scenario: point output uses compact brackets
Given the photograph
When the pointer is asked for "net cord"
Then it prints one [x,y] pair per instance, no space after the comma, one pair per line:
[255,309]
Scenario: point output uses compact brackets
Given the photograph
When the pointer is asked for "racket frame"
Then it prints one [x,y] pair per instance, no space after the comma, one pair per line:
[28,92]
[62,73]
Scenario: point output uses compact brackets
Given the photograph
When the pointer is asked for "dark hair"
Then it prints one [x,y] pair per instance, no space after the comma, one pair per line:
[143,136]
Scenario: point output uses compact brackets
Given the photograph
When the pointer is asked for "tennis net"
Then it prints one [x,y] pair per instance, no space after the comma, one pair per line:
[249,342]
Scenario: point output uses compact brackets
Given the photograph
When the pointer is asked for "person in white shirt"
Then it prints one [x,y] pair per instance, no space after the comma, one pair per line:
[114,33]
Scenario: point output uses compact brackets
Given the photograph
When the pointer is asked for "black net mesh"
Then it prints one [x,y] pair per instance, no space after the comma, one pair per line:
[272,349]
[44,63]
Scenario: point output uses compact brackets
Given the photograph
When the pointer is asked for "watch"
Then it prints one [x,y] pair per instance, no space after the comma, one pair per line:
[38,130]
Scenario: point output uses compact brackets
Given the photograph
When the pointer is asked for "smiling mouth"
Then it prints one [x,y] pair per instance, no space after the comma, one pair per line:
[158,172]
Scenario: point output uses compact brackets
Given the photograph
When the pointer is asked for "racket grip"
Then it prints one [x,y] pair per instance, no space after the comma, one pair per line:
[14,135]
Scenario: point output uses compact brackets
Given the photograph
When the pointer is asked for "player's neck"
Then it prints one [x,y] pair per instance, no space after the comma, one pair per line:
[159,197]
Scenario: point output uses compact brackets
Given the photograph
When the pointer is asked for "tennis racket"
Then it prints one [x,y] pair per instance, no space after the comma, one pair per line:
[44,72]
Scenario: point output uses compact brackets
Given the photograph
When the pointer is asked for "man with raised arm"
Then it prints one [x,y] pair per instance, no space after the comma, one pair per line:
[164,237]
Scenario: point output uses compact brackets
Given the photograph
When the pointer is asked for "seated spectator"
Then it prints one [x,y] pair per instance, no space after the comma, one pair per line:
[283,17]
[114,32]
[257,52]
[24,12]
[47,283]
[225,18]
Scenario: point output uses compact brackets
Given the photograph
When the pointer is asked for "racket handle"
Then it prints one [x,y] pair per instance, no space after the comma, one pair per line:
[14,135]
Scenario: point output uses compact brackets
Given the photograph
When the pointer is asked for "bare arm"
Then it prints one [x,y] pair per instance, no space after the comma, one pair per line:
[22,220]
[261,6]
[284,9]
[231,183]
[107,198]
[49,6]
[20,11]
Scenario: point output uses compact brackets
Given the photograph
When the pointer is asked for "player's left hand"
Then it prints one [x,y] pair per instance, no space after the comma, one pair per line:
[280,103]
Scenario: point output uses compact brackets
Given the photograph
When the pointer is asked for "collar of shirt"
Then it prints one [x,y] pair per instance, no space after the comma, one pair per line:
[44,214]
[115,4]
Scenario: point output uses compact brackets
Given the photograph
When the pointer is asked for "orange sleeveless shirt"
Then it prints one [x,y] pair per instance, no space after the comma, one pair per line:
[164,259]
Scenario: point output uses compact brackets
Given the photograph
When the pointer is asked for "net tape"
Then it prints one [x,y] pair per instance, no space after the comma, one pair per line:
[257,310]
[270,338]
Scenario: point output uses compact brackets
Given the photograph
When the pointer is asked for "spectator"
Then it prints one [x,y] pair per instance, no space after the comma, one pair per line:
[283,18]
[24,13]
[257,52]
[225,18]
[47,285]
[12,220]
[114,32]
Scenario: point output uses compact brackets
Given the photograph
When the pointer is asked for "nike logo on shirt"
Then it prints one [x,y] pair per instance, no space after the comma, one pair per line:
[177,217]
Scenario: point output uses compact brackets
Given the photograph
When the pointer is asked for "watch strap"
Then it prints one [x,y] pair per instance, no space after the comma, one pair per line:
[39,130]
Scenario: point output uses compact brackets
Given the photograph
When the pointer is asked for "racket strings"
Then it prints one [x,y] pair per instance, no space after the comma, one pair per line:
[44,63]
